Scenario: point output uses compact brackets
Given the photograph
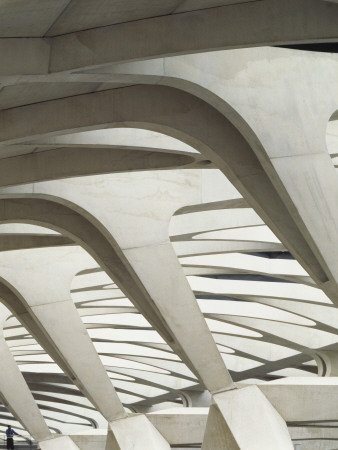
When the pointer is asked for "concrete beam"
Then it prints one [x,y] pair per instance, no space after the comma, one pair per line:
[231,423]
[195,122]
[266,22]
[181,426]
[134,433]
[248,24]
[303,399]
[68,162]
[42,278]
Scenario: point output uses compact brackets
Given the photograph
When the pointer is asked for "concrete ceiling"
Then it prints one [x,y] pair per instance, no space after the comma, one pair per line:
[266,314]
[37,18]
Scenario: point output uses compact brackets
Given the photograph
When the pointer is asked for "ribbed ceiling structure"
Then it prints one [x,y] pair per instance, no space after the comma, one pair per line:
[168,224]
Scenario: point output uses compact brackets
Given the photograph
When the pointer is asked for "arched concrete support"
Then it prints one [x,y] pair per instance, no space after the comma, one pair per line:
[174,112]
[42,277]
[159,271]
[80,161]
[208,365]
[230,26]
[135,433]
[97,242]
[319,266]
[291,154]
[219,27]
[232,423]
[14,391]
[155,259]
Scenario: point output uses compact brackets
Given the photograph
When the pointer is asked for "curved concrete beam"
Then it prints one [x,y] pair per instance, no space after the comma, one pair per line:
[101,246]
[231,26]
[22,241]
[174,112]
[147,237]
[72,162]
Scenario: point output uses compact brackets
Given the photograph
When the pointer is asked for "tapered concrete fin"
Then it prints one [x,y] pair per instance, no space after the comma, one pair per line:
[134,433]
[243,419]
[58,443]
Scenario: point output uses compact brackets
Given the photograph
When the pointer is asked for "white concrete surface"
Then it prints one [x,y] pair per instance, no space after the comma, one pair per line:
[177,184]
[134,432]
[232,423]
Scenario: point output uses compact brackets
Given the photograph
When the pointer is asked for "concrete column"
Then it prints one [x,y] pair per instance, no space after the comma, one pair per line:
[14,391]
[58,443]
[42,277]
[134,433]
[243,419]
[156,282]
[66,330]
[160,272]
